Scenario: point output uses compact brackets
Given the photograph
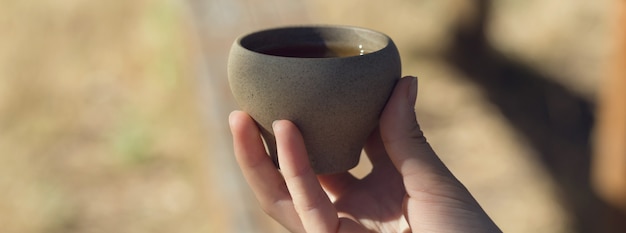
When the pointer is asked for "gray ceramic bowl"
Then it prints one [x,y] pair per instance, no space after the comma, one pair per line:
[286,73]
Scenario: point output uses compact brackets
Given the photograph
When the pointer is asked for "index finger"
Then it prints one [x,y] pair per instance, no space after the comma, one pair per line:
[260,173]
[315,209]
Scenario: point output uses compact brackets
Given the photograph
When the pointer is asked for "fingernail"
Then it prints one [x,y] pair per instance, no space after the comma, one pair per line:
[413,91]
[274,124]
[231,119]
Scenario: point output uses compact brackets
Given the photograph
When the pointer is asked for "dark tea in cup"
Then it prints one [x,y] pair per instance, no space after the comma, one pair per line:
[314,51]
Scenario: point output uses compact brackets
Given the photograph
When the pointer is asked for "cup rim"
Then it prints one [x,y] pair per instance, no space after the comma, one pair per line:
[384,39]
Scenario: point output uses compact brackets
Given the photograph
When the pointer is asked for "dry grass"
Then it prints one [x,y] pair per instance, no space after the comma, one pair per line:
[99,126]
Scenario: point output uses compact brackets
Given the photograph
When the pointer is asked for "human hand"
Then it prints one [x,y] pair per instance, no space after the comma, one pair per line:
[408,190]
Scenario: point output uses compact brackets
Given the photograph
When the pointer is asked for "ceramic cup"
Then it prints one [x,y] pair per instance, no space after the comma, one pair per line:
[331,81]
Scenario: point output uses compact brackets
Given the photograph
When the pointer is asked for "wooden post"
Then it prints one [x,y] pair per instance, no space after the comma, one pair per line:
[609,161]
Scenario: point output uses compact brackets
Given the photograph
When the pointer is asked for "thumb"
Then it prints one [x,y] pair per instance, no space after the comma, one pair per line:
[403,139]
[434,195]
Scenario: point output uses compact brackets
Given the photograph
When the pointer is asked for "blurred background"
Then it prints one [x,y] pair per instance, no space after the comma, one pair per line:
[113,114]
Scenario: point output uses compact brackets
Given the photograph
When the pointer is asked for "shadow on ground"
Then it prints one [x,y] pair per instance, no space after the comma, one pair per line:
[555,121]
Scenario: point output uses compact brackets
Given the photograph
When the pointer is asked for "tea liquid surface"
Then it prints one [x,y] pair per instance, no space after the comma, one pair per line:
[314,51]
